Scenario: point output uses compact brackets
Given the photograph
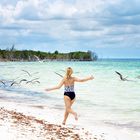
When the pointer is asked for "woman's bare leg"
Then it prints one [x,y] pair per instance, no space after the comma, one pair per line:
[68,104]
[67,113]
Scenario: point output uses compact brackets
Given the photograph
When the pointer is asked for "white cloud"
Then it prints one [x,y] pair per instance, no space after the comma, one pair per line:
[60,9]
[27,10]
[99,22]
[6,13]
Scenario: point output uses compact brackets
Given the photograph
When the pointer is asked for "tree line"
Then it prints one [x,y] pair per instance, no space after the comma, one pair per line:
[29,55]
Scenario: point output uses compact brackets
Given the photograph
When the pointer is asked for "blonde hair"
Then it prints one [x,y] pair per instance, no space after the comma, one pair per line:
[69,72]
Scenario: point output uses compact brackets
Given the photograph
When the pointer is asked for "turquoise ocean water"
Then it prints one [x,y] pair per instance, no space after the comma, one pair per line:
[106,100]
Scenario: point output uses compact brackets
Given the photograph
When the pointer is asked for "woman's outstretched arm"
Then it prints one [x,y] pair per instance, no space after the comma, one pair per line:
[56,87]
[84,79]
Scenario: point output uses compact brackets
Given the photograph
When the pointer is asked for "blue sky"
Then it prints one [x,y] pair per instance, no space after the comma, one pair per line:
[111,28]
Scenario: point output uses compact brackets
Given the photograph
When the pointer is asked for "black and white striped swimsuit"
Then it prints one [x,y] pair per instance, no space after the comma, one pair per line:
[69,91]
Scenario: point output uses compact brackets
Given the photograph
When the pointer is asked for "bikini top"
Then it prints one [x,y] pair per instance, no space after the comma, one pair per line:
[69,88]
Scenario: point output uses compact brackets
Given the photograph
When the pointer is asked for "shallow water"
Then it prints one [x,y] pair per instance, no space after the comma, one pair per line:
[105,101]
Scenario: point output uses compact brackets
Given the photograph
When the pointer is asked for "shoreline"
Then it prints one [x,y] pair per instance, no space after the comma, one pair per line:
[26,122]
[6,60]
[21,123]
[50,60]
[20,126]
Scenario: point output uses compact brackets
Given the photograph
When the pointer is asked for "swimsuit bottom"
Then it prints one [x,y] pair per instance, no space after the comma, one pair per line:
[71,95]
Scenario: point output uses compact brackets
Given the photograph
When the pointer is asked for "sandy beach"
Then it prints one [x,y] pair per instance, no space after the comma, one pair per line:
[18,122]
[15,125]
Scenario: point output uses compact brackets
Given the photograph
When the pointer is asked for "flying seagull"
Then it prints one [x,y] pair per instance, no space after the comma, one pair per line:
[22,80]
[58,74]
[36,82]
[121,77]
[13,83]
[38,59]
[29,73]
[2,82]
[33,81]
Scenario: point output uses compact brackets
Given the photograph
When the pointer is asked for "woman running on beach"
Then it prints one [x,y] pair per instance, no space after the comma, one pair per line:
[69,94]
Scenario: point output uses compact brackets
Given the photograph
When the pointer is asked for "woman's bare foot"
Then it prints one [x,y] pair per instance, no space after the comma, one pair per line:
[76,117]
[63,123]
